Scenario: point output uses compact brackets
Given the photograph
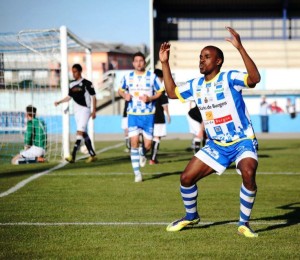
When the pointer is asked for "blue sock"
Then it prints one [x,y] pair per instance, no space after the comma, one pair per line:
[247,199]
[189,196]
[135,160]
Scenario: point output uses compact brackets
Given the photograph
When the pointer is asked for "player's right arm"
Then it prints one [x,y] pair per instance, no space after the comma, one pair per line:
[123,90]
[124,94]
[66,99]
[164,53]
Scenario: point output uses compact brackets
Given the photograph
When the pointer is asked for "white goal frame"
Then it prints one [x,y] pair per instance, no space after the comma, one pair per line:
[64,82]
[52,45]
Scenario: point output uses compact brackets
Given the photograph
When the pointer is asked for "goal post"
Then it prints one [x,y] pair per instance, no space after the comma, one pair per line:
[64,34]
[35,70]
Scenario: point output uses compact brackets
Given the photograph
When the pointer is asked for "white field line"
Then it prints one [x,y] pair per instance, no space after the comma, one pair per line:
[37,175]
[154,173]
[128,223]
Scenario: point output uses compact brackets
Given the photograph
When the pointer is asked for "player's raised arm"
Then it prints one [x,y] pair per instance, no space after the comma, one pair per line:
[253,73]
[164,53]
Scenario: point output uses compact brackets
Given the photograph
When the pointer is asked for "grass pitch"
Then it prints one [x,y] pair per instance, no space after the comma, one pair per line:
[96,211]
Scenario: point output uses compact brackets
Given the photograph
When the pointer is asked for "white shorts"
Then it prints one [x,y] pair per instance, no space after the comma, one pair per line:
[140,131]
[124,123]
[194,126]
[33,151]
[219,157]
[82,116]
[160,130]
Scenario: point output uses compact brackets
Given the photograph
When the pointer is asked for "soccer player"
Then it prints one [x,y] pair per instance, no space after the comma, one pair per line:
[141,88]
[230,136]
[160,128]
[83,93]
[196,128]
[35,138]
[124,126]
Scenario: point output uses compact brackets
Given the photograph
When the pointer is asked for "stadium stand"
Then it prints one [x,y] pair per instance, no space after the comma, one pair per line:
[267,54]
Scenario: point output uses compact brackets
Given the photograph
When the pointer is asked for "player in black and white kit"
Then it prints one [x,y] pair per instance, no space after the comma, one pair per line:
[196,128]
[83,93]
[160,128]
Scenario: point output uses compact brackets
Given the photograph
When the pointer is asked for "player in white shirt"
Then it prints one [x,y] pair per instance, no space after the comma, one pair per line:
[141,88]
[230,136]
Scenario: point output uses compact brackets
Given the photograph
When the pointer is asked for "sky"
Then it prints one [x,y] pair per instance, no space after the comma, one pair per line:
[109,21]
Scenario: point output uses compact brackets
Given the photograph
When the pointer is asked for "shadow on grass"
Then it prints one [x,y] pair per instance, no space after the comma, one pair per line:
[288,219]
[292,217]
[272,148]
[19,170]
[208,225]
[161,175]
[29,169]
[263,156]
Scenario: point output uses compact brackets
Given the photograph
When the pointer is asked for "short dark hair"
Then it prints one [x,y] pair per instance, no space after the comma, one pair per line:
[158,73]
[219,53]
[31,110]
[139,54]
[77,66]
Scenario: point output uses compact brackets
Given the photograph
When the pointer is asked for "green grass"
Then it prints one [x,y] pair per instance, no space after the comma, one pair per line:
[90,195]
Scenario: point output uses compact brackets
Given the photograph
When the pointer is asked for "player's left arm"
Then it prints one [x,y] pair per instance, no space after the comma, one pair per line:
[166,111]
[147,99]
[158,88]
[94,102]
[90,88]
[28,135]
[253,73]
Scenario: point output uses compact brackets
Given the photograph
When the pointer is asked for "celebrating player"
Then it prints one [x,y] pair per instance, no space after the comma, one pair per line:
[141,88]
[83,93]
[230,136]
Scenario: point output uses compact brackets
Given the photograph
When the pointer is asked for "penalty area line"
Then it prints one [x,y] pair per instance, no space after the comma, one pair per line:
[37,175]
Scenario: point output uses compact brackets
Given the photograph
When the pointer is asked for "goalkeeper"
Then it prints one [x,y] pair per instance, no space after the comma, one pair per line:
[35,139]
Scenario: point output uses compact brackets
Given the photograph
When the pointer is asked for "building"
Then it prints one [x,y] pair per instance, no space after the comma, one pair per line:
[105,57]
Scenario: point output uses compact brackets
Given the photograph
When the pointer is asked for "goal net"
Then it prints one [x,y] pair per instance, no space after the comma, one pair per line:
[35,70]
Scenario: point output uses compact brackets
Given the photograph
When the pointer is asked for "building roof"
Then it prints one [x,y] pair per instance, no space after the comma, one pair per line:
[231,8]
[116,47]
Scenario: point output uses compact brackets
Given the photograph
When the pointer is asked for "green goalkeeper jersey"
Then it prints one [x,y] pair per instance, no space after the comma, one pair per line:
[36,133]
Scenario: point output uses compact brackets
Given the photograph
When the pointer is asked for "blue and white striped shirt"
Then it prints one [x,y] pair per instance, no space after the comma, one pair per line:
[221,104]
[137,86]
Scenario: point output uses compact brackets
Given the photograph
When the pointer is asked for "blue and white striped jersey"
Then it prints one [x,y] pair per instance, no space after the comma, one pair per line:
[221,104]
[137,86]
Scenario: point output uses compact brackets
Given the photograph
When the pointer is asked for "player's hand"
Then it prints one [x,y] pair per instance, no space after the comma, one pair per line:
[127,97]
[168,119]
[146,98]
[164,52]
[93,115]
[235,38]
[56,103]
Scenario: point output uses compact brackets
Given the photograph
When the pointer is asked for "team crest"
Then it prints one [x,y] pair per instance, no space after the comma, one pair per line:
[209,115]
